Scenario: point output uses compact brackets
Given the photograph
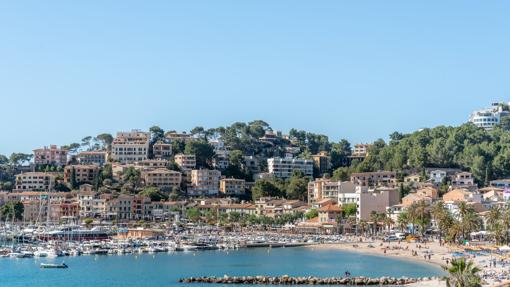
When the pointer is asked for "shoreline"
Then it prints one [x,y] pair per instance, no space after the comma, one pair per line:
[363,248]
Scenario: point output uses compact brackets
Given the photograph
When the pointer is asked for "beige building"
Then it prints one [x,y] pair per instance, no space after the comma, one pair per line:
[204,182]
[186,161]
[322,162]
[232,186]
[327,189]
[153,163]
[82,173]
[162,150]
[92,157]
[162,178]
[284,167]
[129,147]
[50,156]
[35,181]
[379,178]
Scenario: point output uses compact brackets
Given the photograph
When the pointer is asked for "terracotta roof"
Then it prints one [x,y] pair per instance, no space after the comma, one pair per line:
[331,208]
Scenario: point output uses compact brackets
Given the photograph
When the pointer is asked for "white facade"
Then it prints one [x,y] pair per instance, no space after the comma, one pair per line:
[489,118]
[437,176]
[283,167]
[204,182]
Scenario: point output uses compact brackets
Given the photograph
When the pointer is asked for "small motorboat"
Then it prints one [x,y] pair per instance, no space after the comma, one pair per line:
[54,266]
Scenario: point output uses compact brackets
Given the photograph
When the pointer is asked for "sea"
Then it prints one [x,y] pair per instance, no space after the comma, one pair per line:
[164,269]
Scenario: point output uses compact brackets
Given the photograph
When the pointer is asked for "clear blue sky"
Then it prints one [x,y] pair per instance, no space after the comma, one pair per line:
[349,69]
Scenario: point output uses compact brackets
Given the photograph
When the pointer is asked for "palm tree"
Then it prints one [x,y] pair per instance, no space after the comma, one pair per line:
[443,218]
[495,223]
[422,215]
[468,219]
[505,220]
[462,273]
[403,220]
[362,226]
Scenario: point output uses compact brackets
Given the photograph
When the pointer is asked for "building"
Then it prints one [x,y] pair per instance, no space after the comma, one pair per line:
[129,147]
[92,157]
[152,163]
[500,183]
[82,173]
[284,167]
[50,156]
[379,178]
[377,200]
[186,161]
[330,214]
[251,163]
[204,182]
[162,178]
[35,181]
[327,189]
[232,186]
[175,136]
[491,117]
[360,151]
[463,179]
[162,150]
[437,176]
[322,162]
[461,194]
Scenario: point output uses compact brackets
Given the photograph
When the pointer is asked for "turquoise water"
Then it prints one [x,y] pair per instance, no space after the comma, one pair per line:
[164,269]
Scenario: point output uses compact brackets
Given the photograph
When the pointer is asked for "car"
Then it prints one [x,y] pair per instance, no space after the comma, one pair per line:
[390,238]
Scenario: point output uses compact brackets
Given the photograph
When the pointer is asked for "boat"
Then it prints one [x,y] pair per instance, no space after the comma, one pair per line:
[75,234]
[54,266]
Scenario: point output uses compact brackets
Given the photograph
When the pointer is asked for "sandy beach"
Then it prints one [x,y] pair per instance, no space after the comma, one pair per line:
[429,253]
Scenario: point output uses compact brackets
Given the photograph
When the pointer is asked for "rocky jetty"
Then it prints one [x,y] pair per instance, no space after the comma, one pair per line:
[289,280]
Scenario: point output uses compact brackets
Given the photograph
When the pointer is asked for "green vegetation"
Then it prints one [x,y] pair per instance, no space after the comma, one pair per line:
[462,273]
[12,211]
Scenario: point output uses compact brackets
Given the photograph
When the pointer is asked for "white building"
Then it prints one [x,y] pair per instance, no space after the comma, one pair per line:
[129,147]
[283,167]
[326,189]
[489,118]
[437,176]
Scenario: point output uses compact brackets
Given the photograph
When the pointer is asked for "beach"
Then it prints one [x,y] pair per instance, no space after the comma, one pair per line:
[428,253]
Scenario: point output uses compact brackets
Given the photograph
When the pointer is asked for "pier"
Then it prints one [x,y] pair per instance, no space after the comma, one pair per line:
[311,280]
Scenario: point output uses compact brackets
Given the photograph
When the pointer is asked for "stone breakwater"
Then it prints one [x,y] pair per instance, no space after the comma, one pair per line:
[288,280]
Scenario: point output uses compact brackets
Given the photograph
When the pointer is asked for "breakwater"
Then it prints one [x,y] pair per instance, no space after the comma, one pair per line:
[289,280]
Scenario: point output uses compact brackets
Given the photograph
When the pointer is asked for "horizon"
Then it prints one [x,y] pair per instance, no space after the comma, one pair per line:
[345,70]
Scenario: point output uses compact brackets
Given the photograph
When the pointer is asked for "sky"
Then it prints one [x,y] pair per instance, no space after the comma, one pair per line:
[348,69]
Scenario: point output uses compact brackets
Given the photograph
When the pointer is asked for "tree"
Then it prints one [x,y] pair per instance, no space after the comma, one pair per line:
[131,178]
[340,153]
[88,222]
[203,151]
[3,159]
[312,213]
[85,142]
[12,210]
[298,186]
[106,140]
[157,134]
[153,193]
[349,209]
[193,214]
[263,188]
[20,158]
[462,273]
[341,174]
[468,220]
[74,183]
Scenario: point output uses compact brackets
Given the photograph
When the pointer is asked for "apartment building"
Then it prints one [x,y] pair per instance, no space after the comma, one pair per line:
[491,117]
[175,136]
[327,189]
[50,156]
[322,162]
[35,181]
[232,186]
[360,151]
[204,182]
[162,178]
[90,205]
[437,176]
[153,163]
[463,179]
[500,183]
[162,150]
[186,161]
[92,157]
[82,173]
[284,167]
[129,147]
[379,178]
